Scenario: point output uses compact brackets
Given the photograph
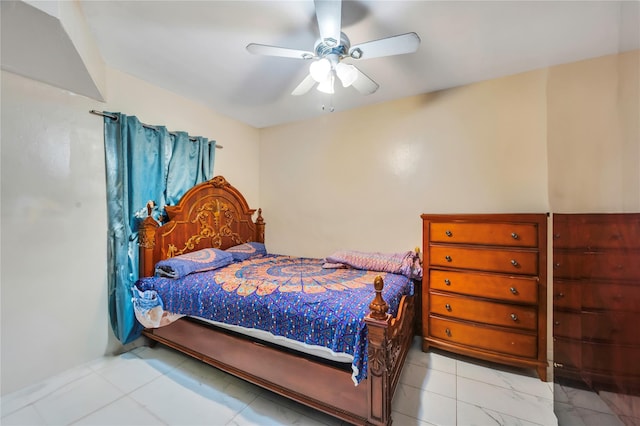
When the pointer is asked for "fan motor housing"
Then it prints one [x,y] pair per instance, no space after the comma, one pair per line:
[325,47]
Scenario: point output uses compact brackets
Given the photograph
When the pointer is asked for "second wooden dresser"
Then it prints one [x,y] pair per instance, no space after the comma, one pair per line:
[596,298]
[485,287]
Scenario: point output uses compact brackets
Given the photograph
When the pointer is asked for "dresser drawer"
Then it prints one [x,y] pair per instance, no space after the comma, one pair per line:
[500,234]
[611,359]
[567,294]
[491,286]
[619,327]
[610,296]
[608,231]
[617,265]
[567,324]
[567,353]
[465,308]
[507,261]
[486,338]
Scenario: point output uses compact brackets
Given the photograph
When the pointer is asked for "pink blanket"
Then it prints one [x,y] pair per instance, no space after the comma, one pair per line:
[405,263]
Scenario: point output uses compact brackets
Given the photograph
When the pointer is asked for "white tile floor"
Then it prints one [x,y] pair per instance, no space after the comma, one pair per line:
[159,386]
[579,407]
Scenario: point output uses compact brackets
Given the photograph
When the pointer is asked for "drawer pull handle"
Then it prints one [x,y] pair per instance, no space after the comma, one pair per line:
[447,332]
[448,258]
[556,323]
[447,281]
[561,294]
[515,263]
[513,290]
[514,236]
[447,307]
[449,233]
[514,317]
[558,364]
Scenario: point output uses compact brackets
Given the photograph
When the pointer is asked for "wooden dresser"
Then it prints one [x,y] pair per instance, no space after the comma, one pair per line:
[484,288]
[596,299]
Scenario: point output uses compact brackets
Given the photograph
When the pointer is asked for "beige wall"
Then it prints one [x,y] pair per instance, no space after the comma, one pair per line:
[563,139]
[360,179]
[53,274]
[594,135]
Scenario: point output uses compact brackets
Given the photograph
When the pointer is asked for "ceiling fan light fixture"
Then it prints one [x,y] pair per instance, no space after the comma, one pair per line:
[320,70]
[332,47]
[346,73]
[326,86]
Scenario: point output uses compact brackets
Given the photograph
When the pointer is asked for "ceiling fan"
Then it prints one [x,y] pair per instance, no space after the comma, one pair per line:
[333,47]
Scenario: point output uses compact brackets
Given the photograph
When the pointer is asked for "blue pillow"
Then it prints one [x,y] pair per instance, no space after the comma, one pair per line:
[196,261]
[247,251]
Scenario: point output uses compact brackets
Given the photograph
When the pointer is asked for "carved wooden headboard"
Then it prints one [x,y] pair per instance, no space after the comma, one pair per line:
[211,214]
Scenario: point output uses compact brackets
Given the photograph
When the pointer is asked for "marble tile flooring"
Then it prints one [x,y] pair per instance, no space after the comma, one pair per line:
[578,407]
[161,387]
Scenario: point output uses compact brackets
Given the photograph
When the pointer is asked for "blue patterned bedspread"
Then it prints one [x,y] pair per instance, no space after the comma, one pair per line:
[286,296]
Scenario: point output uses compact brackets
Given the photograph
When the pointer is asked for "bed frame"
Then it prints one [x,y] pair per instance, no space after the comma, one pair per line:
[215,214]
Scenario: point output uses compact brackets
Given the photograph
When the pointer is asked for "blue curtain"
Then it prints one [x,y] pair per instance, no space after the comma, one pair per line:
[142,163]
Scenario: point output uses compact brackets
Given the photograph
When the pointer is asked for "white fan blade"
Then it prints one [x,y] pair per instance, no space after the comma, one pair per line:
[263,49]
[394,45]
[305,86]
[364,84]
[329,14]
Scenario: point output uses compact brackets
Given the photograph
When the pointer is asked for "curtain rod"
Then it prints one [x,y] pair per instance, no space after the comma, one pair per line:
[115,117]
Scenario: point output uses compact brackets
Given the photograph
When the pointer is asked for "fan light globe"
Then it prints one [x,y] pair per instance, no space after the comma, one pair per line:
[346,73]
[320,70]
[326,86]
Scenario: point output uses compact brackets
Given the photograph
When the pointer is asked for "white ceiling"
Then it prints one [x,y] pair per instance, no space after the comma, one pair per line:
[197,48]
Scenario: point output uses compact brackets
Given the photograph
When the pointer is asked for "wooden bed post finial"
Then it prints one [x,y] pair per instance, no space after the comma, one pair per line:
[147,242]
[378,307]
[259,227]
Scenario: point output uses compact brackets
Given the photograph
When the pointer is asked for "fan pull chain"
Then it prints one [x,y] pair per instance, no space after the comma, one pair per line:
[330,108]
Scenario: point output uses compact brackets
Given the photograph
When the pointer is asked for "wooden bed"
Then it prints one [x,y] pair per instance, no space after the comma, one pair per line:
[215,214]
